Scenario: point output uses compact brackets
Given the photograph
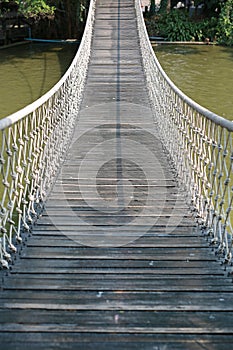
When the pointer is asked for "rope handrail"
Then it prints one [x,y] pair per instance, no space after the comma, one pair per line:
[15,117]
[208,114]
[33,144]
[200,145]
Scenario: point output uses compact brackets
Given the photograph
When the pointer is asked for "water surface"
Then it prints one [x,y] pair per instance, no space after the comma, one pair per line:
[203,72]
[28,71]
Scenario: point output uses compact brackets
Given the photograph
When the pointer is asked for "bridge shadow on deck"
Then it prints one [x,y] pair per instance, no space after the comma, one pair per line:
[116,261]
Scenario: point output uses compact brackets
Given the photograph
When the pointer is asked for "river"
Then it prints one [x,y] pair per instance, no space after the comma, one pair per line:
[203,72]
[28,71]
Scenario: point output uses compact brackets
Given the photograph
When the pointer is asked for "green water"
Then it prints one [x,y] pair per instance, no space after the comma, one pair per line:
[203,72]
[28,71]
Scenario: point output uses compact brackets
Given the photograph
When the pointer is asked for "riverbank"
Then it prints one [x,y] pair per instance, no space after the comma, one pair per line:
[19,43]
[158,42]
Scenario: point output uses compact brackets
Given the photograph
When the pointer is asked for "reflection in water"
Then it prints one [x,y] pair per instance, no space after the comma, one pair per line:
[203,72]
[28,71]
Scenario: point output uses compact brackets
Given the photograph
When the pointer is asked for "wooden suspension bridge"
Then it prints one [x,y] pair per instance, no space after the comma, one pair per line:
[116,261]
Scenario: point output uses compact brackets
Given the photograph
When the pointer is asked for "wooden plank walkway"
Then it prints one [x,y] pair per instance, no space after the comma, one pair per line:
[116,261]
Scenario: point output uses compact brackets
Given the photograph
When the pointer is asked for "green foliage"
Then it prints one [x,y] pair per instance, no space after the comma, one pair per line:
[177,26]
[152,7]
[152,25]
[206,28]
[36,8]
[225,24]
[163,6]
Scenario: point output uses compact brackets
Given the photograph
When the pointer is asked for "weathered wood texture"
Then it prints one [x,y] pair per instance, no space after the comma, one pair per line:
[116,261]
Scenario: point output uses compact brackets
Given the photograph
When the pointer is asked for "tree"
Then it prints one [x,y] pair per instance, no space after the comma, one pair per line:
[73,15]
[36,8]
[165,6]
[225,24]
[211,7]
[152,7]
[55,18]
[168,5]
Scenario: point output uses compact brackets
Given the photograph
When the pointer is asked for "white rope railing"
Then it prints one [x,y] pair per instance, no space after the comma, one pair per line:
[200,146]
[33,143]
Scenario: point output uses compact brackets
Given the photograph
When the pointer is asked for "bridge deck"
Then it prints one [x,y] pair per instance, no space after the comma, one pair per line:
[116,261]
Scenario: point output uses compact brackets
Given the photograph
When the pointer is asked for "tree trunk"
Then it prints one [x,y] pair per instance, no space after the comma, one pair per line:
[165,6]
[168,5]
[69,18]
[152,7]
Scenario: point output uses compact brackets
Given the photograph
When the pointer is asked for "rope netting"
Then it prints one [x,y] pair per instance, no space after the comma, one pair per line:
[33,144]
[200,145]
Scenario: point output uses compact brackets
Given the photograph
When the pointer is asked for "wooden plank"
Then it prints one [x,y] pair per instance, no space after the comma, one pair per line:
[113,341]
[168,301]
[135,318]
[96,264]
[175,284]
[169,253]
[74,328]
[97,305]
[176,271]
[175,242]
[129,253]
